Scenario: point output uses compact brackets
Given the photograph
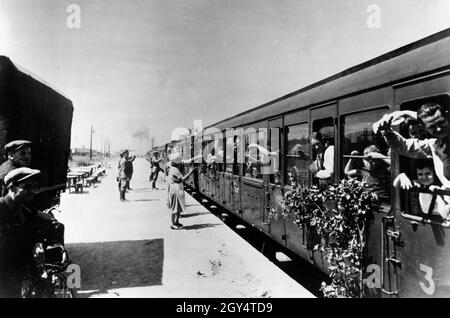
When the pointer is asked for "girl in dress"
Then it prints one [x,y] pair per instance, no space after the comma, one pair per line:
[176,199]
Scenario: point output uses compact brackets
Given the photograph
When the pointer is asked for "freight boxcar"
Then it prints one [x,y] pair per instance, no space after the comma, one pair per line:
[31,109]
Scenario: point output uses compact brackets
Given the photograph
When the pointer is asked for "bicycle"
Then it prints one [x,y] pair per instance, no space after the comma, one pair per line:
[51,280]
[54,283]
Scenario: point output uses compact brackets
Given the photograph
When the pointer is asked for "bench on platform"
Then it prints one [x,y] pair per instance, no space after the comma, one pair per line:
[91,180]
[74,181]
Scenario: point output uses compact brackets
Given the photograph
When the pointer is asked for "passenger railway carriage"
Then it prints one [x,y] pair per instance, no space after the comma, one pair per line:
[411,253]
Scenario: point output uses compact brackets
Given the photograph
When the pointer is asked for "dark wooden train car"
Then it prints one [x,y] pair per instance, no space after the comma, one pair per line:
[30,109]
[408,254]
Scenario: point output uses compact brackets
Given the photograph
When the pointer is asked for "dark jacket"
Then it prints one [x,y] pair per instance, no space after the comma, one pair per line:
[128,168]
[15,245]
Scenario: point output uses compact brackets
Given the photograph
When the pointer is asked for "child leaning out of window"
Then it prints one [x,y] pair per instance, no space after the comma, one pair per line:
[426,178]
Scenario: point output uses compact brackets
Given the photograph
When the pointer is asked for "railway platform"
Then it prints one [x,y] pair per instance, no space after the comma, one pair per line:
[127,249]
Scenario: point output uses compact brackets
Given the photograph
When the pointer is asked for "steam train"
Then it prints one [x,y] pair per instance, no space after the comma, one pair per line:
[408,252]
[32,110]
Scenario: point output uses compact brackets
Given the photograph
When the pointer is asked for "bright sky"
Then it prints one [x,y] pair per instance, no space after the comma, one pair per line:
[160,64]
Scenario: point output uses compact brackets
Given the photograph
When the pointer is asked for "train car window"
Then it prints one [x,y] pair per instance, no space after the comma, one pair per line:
[219,153]
[365,155]
[274,156]
[229,154]
[322,164]
[252,162]
[426,201]
[198,155]
[237,153]
[297,155]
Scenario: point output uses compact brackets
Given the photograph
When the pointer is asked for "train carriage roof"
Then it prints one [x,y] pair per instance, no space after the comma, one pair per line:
[426,55]
[6,66]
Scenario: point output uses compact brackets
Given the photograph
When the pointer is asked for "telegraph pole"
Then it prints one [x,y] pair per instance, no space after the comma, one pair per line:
[90,147]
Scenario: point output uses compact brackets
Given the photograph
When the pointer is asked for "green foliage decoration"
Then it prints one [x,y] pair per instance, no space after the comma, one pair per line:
[340,215]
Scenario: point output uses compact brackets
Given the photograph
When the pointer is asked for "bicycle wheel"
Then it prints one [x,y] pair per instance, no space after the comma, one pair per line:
[60,288]
[27,288]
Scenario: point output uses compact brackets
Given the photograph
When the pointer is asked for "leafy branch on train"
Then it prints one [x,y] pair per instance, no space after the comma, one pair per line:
[339,216]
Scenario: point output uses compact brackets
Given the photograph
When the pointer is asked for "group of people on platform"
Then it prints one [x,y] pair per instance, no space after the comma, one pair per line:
[125,171]
[25,230]
[427,146]
[172,173]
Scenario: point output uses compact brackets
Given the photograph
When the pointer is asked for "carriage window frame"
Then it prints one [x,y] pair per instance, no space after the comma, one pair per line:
[322,122]
[257,137]
[229,153]
[308,153]
[341,119]
[405,195]
[276,167]
[237,154]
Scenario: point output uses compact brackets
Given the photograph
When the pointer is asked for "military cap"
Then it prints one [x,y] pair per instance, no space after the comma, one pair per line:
[122,152]
[16,145]
[20,175]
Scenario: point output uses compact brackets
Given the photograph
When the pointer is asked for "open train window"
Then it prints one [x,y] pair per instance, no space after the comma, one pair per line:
[274,156]
[426,201]
[297,154]
[322,165]
[365,155]
[229,154]
[237,154]
[252,161]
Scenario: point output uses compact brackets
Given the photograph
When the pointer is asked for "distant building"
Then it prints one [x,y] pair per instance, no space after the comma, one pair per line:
[84,152]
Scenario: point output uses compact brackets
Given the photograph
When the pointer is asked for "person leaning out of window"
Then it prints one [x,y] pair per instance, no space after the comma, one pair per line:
[323,165]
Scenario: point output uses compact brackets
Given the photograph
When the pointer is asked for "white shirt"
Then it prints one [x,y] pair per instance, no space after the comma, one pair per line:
[328,164]
[425,201]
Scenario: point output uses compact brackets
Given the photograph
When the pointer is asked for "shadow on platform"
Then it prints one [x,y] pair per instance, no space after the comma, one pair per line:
[120,264]
[189,215]
[188,205]
[141,190]
[199,226]
[84,192]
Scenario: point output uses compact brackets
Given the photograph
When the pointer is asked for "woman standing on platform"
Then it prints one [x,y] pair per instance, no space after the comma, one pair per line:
[176,191]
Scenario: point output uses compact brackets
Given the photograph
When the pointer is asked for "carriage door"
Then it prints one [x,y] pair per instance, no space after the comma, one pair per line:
[230,154]
[273,177]
[424,228]
[323,120]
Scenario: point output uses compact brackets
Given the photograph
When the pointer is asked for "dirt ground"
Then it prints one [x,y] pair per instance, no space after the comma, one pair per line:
[126,249]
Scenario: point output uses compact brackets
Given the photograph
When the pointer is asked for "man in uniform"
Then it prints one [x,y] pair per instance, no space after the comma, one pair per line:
[123,175]
[18,154]
[129,169]
[154,162]
[19,230]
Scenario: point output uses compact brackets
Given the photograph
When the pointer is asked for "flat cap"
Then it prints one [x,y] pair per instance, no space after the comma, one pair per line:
[16,145]
[20,175]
